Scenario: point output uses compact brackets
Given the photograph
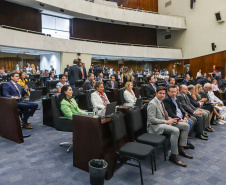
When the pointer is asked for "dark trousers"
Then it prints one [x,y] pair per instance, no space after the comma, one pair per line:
[200,123]
[27,109]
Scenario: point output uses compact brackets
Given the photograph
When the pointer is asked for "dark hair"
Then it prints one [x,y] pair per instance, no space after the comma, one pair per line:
[51,73]
[149,78]
[62,94]
[90,74]
[112,76]
[97,84]
[46,70]
[13,74]
[160,88]
[61,76]
[75,61]
[171,86]
[79,62]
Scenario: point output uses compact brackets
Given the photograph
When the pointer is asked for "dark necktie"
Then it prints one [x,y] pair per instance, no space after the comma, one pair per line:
[164,111]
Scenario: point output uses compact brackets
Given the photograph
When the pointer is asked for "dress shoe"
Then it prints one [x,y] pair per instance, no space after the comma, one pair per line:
[175,159]
[204,134]
[209,129]
[27,126]
[200,136]
[183,153]
[191,146]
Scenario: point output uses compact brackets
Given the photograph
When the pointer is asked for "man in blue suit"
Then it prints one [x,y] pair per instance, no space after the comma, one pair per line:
[51,77]
[13,90]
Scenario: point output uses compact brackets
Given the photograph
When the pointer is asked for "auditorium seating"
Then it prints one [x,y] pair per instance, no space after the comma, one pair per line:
[139,132]
[130,150]
[121,96]
[51,86]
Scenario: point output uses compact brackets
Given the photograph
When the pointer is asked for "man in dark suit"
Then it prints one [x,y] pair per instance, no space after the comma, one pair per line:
[98,70]
[112,84]
[13,90]
[186,81]
[89,82]
[51,77]
[82,74]
[200,81]
[188,71]
[174,110]
[1,73]
[189,108]
[150,88]
[121,69]
[91,70]
[218,77]
[73,74]
[134,81]
[66,69]
[146,78]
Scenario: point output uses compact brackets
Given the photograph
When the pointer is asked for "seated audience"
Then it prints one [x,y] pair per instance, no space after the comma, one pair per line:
[112,84]
[207,110]
[160,123]
[198,89]
[172,81]
[13,90]
[68,104]
[215,85]
[205,93]
[150,88]
[209,80]
[174,110]
[193,111]
[45,74]
[89,83]
[100,77]
[200,81]
[51,77]
[186,81]
[134,81]
[99,99]
[63,82]
[129,95]
[22,80]
[66,74]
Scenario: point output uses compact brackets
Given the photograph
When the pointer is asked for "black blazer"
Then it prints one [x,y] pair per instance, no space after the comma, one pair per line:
[203,94]
[189,72]
[88,85]
[149,91]
[134,83]
[171,107]
[84,72]
[73,74]
[109,86]
[186,104]
[98,70]
[91,70]
[193,101]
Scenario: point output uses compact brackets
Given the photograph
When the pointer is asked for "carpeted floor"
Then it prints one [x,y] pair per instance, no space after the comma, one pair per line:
[40,160]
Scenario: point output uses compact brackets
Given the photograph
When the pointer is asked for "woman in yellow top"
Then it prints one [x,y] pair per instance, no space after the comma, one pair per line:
[22,79]
[68,104]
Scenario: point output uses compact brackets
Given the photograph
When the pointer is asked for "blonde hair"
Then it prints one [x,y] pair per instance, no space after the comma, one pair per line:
[127,85]
[24,75]
[214,80]
[197,86]
[126,73]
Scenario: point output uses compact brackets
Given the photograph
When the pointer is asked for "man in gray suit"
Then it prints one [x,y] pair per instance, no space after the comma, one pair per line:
[160,123]
[73,73]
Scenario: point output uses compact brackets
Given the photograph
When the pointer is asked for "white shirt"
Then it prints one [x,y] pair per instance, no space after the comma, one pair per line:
[198,74]
[213,98]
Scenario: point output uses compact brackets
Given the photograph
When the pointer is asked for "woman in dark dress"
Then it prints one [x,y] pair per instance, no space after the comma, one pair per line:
[125,77]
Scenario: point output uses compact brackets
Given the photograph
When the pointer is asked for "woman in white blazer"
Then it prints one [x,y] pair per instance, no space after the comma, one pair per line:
[129,95]
[99,99]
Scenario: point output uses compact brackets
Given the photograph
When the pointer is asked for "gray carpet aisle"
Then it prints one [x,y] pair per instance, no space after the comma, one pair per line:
[40,160]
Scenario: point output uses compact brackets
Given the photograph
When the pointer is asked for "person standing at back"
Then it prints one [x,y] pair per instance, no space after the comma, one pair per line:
[73,73]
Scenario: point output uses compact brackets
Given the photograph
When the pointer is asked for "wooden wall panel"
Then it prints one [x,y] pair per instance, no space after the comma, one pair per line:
[95,30]
[9,63]
[205,63]
[20,16]
[149,5]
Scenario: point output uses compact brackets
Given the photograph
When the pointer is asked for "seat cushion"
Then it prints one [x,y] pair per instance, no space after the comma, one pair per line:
[151,139]
[136,150]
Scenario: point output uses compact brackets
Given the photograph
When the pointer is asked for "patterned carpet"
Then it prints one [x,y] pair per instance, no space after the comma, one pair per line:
[40,160]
